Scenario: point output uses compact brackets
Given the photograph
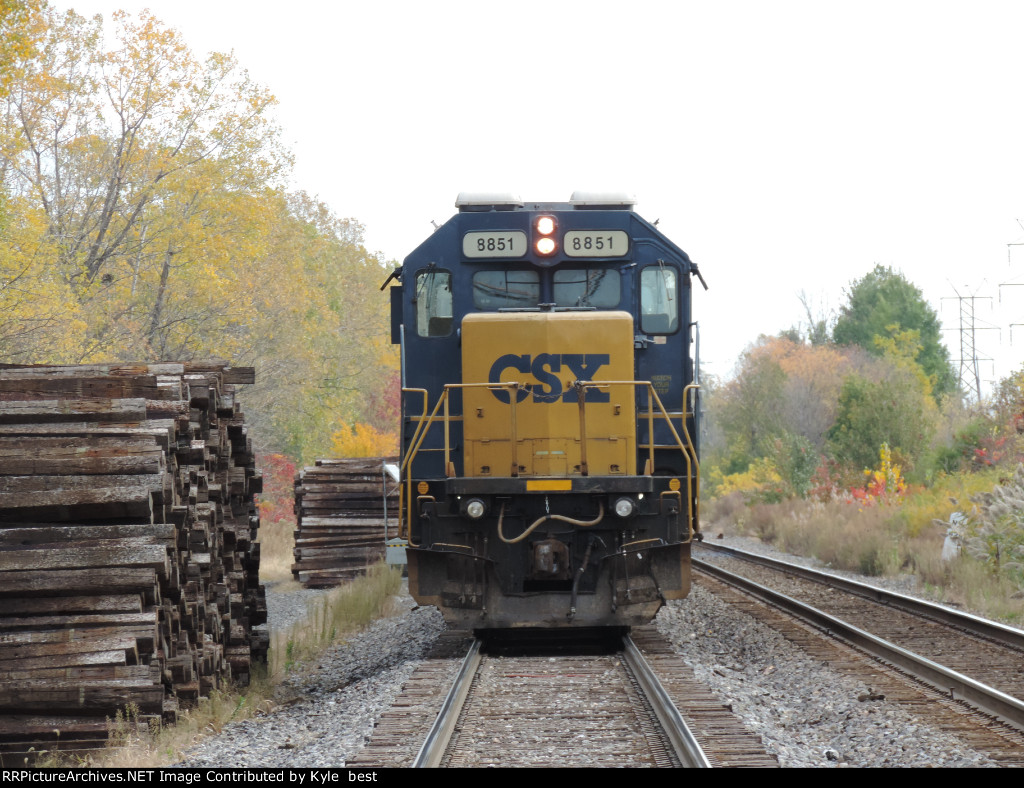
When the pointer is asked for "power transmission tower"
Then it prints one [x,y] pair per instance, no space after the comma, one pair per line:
[970,377]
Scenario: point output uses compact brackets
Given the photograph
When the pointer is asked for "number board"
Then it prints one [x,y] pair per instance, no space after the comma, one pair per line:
[596,243]
[494,243]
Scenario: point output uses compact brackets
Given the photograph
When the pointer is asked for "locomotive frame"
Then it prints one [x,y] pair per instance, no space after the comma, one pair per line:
[544,481]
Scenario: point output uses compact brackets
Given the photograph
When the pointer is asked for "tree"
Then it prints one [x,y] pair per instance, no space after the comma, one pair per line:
[142,217]
[816,330]
[750,406]
[39,315]
[19,31]
[782,387]
[884,404]
[99,137]
[884,298]
[814,377]
[322,334]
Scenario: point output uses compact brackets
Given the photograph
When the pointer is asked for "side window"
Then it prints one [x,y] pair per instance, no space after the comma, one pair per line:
[659,300]
[496,289]
[433,303]
[595,287]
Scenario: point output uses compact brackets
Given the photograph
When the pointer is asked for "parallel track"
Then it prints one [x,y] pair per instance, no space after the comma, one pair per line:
[997,642]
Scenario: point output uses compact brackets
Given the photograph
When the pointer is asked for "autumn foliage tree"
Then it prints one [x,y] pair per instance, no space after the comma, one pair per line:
[144,216]
[876,383]
[782,387]
[806,412]
[19,31]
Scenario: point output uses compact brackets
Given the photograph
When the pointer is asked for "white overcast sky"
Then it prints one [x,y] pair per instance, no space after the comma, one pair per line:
[787,146]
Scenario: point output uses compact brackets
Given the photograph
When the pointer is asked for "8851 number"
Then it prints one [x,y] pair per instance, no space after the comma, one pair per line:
[493,243]
[596,243]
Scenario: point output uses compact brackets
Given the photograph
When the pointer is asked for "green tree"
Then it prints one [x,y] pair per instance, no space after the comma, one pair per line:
[885,405]
[882,299]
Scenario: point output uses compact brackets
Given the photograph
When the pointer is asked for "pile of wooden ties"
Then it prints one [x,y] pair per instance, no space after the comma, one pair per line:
[129,568]
[345,510]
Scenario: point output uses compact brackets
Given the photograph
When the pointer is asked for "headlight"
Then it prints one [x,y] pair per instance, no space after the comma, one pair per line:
[624,507]
[475,508]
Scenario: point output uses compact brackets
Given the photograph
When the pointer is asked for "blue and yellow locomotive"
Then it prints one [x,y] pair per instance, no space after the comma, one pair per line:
[549,414]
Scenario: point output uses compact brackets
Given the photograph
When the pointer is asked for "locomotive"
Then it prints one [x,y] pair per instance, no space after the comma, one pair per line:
[550,411]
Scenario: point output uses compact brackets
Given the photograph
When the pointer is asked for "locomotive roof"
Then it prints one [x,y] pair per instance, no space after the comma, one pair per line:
[580,201]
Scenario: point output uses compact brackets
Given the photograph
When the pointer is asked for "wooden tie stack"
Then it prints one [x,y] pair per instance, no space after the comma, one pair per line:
[129,570]
[346,510]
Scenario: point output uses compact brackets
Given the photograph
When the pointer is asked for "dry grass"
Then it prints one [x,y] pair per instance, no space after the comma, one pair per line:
[132,746]
[878,540]
[277,542]
[341,612]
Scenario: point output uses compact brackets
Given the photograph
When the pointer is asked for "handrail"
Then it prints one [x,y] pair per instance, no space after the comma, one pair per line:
[690,456]
[405,488]
[420,434]
[424,422]
[693,388]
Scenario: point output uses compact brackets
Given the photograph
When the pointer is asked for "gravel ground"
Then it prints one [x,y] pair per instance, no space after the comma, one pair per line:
[328,709]
[807,714]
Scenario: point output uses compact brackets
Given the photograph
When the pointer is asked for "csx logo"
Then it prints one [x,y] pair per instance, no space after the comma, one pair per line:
[545,368]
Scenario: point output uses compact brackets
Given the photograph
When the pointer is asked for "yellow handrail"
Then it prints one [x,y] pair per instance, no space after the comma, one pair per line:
[692,465]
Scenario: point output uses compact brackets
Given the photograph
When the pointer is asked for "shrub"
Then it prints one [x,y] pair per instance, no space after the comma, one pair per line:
[995,533]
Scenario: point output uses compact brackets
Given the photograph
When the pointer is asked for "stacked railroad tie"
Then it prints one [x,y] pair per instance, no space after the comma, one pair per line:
[129,570]
[345,510]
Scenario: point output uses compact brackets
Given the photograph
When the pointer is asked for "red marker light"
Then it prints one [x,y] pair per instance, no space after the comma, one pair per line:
[544,242]
[545,225]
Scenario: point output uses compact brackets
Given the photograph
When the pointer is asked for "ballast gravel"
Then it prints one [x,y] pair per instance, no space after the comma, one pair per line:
[327,709]
[806,714]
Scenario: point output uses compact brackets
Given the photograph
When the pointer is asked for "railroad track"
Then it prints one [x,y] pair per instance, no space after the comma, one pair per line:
[611,709]
[955,654]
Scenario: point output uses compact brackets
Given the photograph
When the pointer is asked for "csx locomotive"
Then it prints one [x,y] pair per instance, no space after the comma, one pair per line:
[549,414]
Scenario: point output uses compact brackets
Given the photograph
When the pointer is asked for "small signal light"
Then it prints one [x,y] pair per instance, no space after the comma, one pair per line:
[545,225]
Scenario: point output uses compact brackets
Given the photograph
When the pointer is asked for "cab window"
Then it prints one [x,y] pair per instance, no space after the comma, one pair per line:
[659,300]
[600,288]
[433,303]
[494,289]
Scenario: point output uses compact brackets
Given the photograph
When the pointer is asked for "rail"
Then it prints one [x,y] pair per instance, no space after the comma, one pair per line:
[440,733]
[991,630]
[424,423]
[945,680]
[685,744]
